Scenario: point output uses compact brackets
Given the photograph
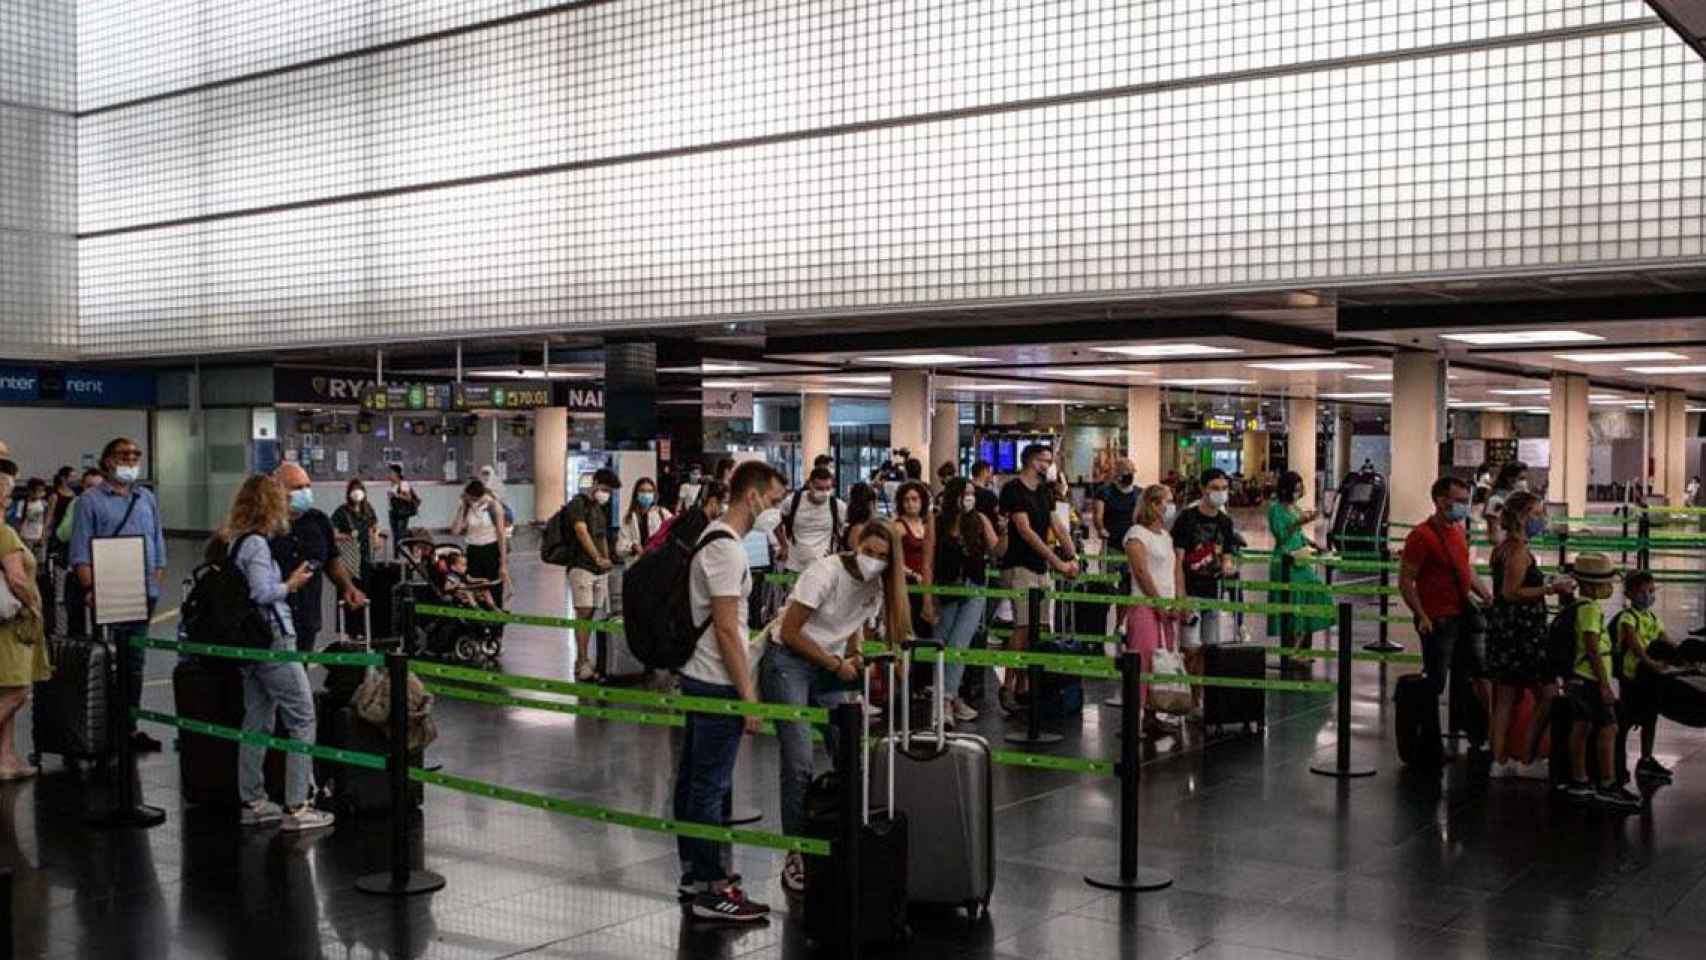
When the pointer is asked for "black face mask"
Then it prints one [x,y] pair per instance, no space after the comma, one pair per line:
[1126,479]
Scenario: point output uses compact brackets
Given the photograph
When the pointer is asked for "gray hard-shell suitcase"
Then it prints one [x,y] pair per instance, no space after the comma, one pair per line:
[70,714]
[943,783]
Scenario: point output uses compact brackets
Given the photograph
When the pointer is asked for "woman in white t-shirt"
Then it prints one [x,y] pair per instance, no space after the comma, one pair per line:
[1155,573]
[814,660]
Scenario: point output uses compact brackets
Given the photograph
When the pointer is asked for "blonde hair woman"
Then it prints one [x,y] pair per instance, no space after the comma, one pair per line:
[271,691]
[814,658]
[1156,574]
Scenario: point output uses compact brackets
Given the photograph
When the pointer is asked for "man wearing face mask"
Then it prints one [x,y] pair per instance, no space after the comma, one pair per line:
[1115,504]
[811,524]
[589,561]
[120,507]
[311,540]
[1437,581]
[1207,546]
[1027,502]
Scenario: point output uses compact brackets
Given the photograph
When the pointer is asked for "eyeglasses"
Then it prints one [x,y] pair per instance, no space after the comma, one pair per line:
[127,455]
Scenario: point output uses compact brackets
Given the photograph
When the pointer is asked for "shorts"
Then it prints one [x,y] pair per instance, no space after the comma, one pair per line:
[588,590]
[1205,632]
[1587,704]
[1019,578]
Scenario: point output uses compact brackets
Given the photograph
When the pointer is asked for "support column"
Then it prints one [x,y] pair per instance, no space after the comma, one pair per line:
[1143,433]
[944,439]
[814,427]
[1670,444]
[909,412]
[550,450]
[1567,474]
[1416,407]
[1301,428]
[630,395]
[1343,430]
[1496,426]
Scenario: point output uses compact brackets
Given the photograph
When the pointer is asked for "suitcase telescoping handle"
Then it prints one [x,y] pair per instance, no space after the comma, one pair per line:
[888,661]
[939,702]
[366,623]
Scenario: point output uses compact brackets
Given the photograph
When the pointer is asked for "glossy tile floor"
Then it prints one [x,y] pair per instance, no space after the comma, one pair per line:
[1269,860]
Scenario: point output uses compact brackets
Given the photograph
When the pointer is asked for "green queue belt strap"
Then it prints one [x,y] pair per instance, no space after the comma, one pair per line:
[1002,634]
[636,821]
[643,698]
[1342,590]
[581,710]
[1040,761]
[1194,603]
[923,590]
[354,758]
[1364,656]
[519,619]
[1065,663]
[1241,683]
[259,655]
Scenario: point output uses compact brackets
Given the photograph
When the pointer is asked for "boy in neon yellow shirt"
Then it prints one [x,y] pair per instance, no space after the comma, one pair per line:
[1591,692]
[1638,627]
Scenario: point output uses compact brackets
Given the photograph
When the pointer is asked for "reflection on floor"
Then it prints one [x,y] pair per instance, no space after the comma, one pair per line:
[1270,861]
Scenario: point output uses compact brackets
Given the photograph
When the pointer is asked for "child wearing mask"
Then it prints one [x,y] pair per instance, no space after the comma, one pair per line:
[1635,630]
[1592,694]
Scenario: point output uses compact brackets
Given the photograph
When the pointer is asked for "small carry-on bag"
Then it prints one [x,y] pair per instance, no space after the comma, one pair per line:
[1418,723]
[1235,706]
[70,710]
[1682,697]
[883,845]
[944,787]
[211,690]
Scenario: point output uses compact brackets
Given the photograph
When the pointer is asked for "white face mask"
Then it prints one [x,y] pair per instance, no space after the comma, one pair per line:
[127,472]
[1521,486]
[1217,498]
[601,497]
[768,520]
[871,567]
[818,497]
[968,503]
[357,496]
[1169,513]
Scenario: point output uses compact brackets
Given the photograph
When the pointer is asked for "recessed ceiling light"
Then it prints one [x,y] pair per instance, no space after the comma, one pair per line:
[1208,382]
[1697,409]
[1669,371]
[1541,411]
[1524,392]
[1385,377]
[1474,404]
[1093,372]
[1354,396]
[1619,356]
[845,391]
[926,359]
[995,387]
[712,366]
[1508,338]
[1610,401]
[1604,396]
[736,385]
[867,379]
[1308,366]
[1045,401]
[1167,350]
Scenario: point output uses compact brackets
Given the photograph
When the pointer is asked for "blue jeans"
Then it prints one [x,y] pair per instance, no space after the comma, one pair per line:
[957,621]
[281,690]
[704,783]
[786,677]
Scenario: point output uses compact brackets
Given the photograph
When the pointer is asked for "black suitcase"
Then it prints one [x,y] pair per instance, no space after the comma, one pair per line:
[1417,723]
[1225,706]
[1682,698]
[207,765]
[383,599]
[1464,711]
[351,789]
[1060,697]
[70,711]
[1089,618]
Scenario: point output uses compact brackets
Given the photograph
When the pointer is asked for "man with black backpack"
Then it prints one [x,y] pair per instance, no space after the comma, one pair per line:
[812,524]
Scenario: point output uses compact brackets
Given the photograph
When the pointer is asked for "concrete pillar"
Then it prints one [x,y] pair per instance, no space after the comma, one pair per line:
[1670,444]
[1496,426]
[1301,428]
[944,439]
[1416,402]
[909,412]
[1567,473]
[1143,433]
[814,427]
[1342,433]
[550,450]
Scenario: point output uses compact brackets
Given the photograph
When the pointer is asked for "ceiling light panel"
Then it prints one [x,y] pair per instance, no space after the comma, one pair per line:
[1154,350]
[1694,368]
[1619,356]
[925,359]
[1207,382]
[1354,396]
[1307,366]
[1518,338]
[1092,372]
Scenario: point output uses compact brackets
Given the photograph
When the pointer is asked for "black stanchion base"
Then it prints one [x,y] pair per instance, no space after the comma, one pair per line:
[417,882]
[120,818]
[1383,646]
[743,817]
[1351,773]
[1040,740]
[1145,881]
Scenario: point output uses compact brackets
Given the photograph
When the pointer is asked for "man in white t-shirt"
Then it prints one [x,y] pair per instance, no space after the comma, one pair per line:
[720,582]
[812,521]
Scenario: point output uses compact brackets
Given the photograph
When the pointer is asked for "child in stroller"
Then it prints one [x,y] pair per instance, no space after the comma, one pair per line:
[438,574]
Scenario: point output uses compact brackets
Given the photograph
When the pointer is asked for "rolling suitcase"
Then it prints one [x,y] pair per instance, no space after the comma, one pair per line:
[1061,695]
[1224,706]
[70,710]
[944,787]
[883,845]
[1417,723]
[1682,698]
[207,765]
[383,599]
[352,789]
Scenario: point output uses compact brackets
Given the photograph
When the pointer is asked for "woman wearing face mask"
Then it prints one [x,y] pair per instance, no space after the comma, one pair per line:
[1516,634]
[964,541]
[644,518]
[357,529]
[861,509]
[1156,573]
[23,640]
[479,521]
[813,658]
[1512,478]
[1287,522]
[918,545]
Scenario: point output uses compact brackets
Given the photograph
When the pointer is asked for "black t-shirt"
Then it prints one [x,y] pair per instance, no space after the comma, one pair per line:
[583,509]
[1038,505]
[1204,540]
[1118,509]
[988,503]
[310,540]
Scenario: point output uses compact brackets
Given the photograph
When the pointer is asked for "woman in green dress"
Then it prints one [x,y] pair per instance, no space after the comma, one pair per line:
[23,642]
[1287,523]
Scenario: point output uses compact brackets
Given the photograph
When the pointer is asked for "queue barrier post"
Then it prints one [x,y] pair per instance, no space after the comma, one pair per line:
[849,722]
[1383,642]
[1644,529]
[1342,767]
[399,881]
[128,810]
[1034,735]
[1133,876]
[1288,623]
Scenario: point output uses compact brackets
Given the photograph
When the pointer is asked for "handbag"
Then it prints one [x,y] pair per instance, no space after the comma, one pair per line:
[1174,698]
[9,603]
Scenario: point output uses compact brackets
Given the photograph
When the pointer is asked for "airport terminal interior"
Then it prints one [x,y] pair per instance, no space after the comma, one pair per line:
[1157,350]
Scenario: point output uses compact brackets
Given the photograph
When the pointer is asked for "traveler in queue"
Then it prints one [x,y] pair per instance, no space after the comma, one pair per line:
[1113,506]
[644,518]
[310,539]
[119,506]
[965,540]
[356,526]
[1592,695]
[479,521]
[402,503]
[1157,573]
[861,509]
[811,523]
[918,548]
[76,604]
[272,691]
[813,658]
[1512,479]
[1027,502]
[983,486]
[1288,523]
[23,639]
[720,581]
[1516,637]
[1635,631]
[589,561]
[1436,582]
[1207,546]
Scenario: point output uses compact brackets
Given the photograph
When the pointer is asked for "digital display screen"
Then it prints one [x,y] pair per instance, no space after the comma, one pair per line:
[986,451]
[1007,456]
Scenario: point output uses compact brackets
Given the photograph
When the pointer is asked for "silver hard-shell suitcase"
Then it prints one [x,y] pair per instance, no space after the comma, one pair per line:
[943,784]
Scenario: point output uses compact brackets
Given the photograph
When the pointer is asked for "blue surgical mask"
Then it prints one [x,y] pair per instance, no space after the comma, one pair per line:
[1642,601]
[1459,512]
[127,473]
[645,500]
[1534,526]
[302,499]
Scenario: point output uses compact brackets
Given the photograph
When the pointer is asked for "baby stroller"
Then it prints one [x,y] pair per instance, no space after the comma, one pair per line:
[431,575]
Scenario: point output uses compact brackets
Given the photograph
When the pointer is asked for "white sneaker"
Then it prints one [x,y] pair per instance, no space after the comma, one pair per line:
[794,875]
[1540,769]
[584,672]
[963,711]
[260,813]
[306,817]
[1502,771]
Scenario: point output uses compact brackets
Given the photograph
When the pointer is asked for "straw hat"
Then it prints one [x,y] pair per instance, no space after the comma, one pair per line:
[1595,570]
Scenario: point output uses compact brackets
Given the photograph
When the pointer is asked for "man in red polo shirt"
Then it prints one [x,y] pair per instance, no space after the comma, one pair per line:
[1436,581]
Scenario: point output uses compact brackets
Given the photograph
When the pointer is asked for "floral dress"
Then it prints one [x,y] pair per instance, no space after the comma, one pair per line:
[1516,629]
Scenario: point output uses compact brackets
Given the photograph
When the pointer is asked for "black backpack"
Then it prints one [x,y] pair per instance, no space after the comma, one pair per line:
[554,547]
[218,609]
[662,635]
[1561,647]
[834,517]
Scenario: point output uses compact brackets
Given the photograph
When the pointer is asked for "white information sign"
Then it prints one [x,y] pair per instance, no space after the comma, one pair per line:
[120,568]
